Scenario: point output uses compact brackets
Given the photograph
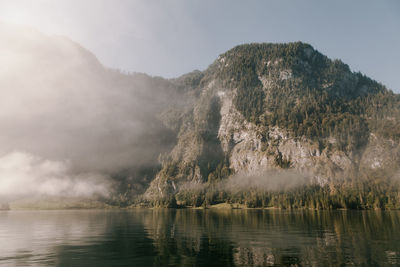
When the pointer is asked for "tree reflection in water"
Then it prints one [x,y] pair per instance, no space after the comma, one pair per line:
[166,237]
[274,237]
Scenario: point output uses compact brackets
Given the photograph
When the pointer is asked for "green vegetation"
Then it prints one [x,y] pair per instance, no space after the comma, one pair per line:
[321,99]
[383,194]
[310,97]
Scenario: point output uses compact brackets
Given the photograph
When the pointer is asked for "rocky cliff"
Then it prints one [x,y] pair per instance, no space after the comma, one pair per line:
[282,108]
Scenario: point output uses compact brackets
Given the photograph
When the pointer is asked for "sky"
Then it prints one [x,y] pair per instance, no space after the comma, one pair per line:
[170,38]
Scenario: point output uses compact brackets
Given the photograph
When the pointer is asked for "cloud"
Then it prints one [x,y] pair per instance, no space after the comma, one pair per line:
[75,120]
[25,175]
[273,180]
[58,102]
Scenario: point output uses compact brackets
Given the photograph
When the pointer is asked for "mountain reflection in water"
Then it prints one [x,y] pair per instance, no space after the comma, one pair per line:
[165,237]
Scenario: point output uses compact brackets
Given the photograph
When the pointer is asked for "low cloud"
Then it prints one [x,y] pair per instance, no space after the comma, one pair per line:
[272,180]
[75,120]
[25,175]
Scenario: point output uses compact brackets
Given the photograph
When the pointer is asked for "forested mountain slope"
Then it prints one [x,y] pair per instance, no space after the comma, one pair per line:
[282,124]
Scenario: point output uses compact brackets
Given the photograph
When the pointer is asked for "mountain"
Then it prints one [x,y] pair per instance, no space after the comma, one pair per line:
[264,125]
[267,119]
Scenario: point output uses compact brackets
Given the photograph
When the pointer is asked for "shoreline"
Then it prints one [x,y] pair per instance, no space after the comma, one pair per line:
[216,207]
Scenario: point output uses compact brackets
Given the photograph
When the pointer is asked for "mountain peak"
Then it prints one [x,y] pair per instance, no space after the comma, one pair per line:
[272,50]
[297,64]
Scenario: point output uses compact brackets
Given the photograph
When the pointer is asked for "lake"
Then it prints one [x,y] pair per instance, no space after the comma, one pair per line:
[166,237]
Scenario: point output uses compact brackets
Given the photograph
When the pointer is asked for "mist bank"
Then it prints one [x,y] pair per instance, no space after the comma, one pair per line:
[23,175]
[69,124]
[58,102]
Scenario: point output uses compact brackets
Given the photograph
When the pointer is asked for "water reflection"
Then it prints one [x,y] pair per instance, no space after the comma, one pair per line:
[199,237]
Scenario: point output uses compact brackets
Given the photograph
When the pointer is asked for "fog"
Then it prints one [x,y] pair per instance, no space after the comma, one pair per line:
[259,181]
[266,180]
[24,175]
[64,117]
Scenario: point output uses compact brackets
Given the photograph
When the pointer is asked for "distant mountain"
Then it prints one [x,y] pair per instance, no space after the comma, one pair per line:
[264,125]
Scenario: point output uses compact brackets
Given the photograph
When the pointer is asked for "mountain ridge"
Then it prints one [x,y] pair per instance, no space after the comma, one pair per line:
[330,124]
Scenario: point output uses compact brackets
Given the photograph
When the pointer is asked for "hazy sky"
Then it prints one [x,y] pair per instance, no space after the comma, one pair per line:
[170,38]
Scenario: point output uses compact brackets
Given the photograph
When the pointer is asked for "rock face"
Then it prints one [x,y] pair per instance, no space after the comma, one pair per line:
[273,107]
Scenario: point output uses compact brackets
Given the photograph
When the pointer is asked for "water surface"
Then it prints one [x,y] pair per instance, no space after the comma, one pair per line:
[199,238]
